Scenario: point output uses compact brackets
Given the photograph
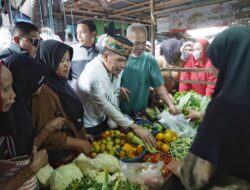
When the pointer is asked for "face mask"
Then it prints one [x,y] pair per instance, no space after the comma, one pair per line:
[184,55]
[197,55]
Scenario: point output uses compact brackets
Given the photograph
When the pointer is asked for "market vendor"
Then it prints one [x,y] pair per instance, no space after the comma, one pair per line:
[99,86]
[141,73]
[198,60]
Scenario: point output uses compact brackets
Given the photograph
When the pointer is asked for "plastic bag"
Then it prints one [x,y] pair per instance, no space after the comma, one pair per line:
[141,173]
[177,123]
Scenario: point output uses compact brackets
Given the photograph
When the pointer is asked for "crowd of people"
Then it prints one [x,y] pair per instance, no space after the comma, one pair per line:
[56,98]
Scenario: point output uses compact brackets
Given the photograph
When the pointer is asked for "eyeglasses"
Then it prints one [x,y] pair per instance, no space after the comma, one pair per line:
[33,41]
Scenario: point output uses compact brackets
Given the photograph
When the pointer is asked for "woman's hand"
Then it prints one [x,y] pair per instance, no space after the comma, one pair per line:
[174,167]
[86,147]
[39,159]
[55,124]
[194,115]
[90,138]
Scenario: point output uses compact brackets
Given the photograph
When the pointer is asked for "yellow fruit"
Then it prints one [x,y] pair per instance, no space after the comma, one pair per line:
[174,138]
[107,133]
[167,137]
[165,148]
[158,145]
[159,136]
[130,135]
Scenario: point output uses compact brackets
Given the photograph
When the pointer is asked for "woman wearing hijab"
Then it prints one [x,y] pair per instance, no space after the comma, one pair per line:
[12,174]
[219,156]
[57,98]
[170,58]
[198,60]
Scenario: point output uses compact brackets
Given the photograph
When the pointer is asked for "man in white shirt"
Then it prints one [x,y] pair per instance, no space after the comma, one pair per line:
[99,86]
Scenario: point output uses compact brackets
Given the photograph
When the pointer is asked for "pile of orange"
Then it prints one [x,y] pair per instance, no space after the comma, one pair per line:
[163,139]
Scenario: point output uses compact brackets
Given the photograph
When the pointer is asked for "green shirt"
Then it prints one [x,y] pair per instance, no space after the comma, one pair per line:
[140,74]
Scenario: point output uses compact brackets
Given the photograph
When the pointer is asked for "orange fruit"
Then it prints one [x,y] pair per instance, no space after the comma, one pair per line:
[167,137]
[158,145]
[159,136]
[165,148]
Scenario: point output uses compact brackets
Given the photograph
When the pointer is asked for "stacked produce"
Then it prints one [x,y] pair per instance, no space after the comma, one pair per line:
[110,142]
[157,157]
[163,139]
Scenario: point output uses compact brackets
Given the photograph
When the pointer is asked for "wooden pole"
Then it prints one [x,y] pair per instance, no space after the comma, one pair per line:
[152,10]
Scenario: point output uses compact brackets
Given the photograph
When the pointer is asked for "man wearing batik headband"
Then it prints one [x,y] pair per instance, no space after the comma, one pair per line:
[99,86]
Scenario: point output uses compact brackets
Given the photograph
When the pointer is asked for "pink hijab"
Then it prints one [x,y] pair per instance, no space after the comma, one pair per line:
[204,43]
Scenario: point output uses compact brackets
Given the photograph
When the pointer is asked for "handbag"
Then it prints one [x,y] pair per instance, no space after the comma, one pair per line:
[11,167]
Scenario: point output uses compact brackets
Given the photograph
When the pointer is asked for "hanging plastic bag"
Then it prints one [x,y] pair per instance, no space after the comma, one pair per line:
[141,173]
[177,123]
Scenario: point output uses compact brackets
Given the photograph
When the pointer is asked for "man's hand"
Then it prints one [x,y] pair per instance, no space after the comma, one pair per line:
[38,160]
[124,93]
[145,135]
[55,124]
[173,110]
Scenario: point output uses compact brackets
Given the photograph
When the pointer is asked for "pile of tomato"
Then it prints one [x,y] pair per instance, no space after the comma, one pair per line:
[159,156]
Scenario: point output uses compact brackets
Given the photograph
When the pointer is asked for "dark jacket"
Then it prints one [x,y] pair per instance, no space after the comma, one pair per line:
[11,50]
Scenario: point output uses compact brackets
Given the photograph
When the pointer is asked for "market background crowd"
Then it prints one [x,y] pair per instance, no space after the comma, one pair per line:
[55,98]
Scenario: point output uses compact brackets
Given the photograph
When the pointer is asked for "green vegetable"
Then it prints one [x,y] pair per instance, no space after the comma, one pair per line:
[186,100]
[106,181]
[137,141]
[44,175]
[64,175]
[180,147]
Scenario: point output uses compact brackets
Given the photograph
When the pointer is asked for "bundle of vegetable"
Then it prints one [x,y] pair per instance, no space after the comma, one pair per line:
[180,147]
[88,183]
[186,100]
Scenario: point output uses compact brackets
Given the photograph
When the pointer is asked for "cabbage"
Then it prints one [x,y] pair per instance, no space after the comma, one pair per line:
[103,161]
[44,175]
[108,162]
[87,165]
[64,175]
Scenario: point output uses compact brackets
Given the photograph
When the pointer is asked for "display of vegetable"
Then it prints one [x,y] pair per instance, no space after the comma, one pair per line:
[87,183]
[179,148]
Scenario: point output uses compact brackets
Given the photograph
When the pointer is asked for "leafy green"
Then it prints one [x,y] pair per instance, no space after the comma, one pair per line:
[193,100]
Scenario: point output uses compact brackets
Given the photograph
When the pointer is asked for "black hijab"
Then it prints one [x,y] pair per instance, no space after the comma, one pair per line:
[224,135]
[28,76]
[51,53]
